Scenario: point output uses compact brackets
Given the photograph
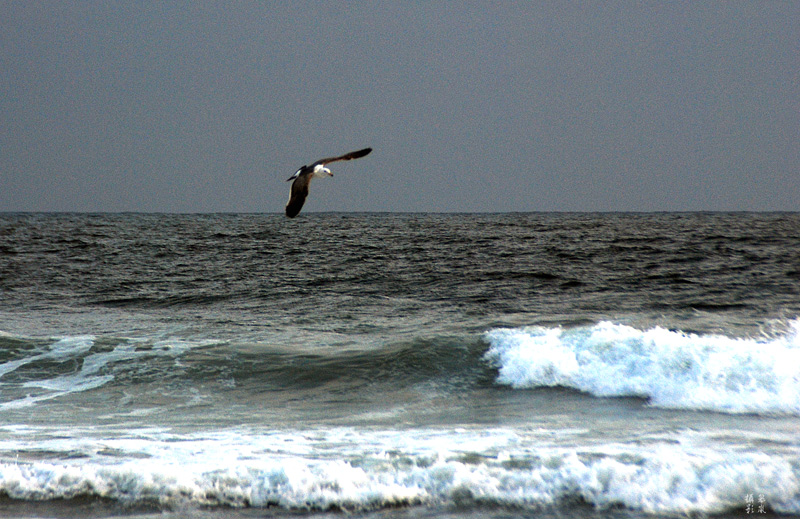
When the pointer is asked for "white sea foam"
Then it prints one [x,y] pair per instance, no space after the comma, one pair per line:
[89,375]
[61,349]
[671,368]
[346,469]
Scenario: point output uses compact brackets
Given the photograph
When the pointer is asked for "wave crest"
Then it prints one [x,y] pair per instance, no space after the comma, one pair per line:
[673,369]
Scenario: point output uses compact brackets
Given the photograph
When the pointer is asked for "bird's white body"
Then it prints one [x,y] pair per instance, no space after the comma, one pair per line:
[319,171]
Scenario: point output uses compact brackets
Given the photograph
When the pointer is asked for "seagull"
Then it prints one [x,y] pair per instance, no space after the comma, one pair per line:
[302,177]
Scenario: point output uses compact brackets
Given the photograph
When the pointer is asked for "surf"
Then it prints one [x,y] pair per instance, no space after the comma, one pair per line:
[671,368]
[360,470]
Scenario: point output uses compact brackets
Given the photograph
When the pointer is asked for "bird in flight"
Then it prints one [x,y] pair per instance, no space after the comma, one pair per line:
[302,178]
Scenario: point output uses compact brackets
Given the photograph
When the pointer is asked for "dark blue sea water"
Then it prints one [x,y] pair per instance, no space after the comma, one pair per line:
[399,365]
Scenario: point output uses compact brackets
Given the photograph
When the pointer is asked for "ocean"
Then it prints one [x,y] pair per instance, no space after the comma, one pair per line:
[551,365]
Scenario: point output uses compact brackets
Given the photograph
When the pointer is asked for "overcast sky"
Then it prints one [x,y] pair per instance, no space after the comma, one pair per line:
[469,106]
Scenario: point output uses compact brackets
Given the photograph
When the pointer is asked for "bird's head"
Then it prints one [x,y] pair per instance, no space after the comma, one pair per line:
[322,171]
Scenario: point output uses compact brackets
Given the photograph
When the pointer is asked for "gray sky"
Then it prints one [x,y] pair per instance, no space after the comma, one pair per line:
[469,106]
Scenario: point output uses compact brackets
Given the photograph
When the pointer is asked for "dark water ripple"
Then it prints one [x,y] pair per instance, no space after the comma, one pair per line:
[446,267]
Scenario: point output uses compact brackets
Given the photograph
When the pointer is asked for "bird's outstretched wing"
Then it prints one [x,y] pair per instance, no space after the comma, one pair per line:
[347,156]
[298,195]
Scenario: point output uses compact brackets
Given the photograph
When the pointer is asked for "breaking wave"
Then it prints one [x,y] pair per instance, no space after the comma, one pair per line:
[343,469]
[672,369]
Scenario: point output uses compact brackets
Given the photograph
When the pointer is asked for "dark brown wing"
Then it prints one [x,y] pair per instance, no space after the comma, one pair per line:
[347,156]
[298,195]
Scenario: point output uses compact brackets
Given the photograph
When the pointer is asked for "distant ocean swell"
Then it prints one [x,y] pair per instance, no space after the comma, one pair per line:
[381,469]
[672,369]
